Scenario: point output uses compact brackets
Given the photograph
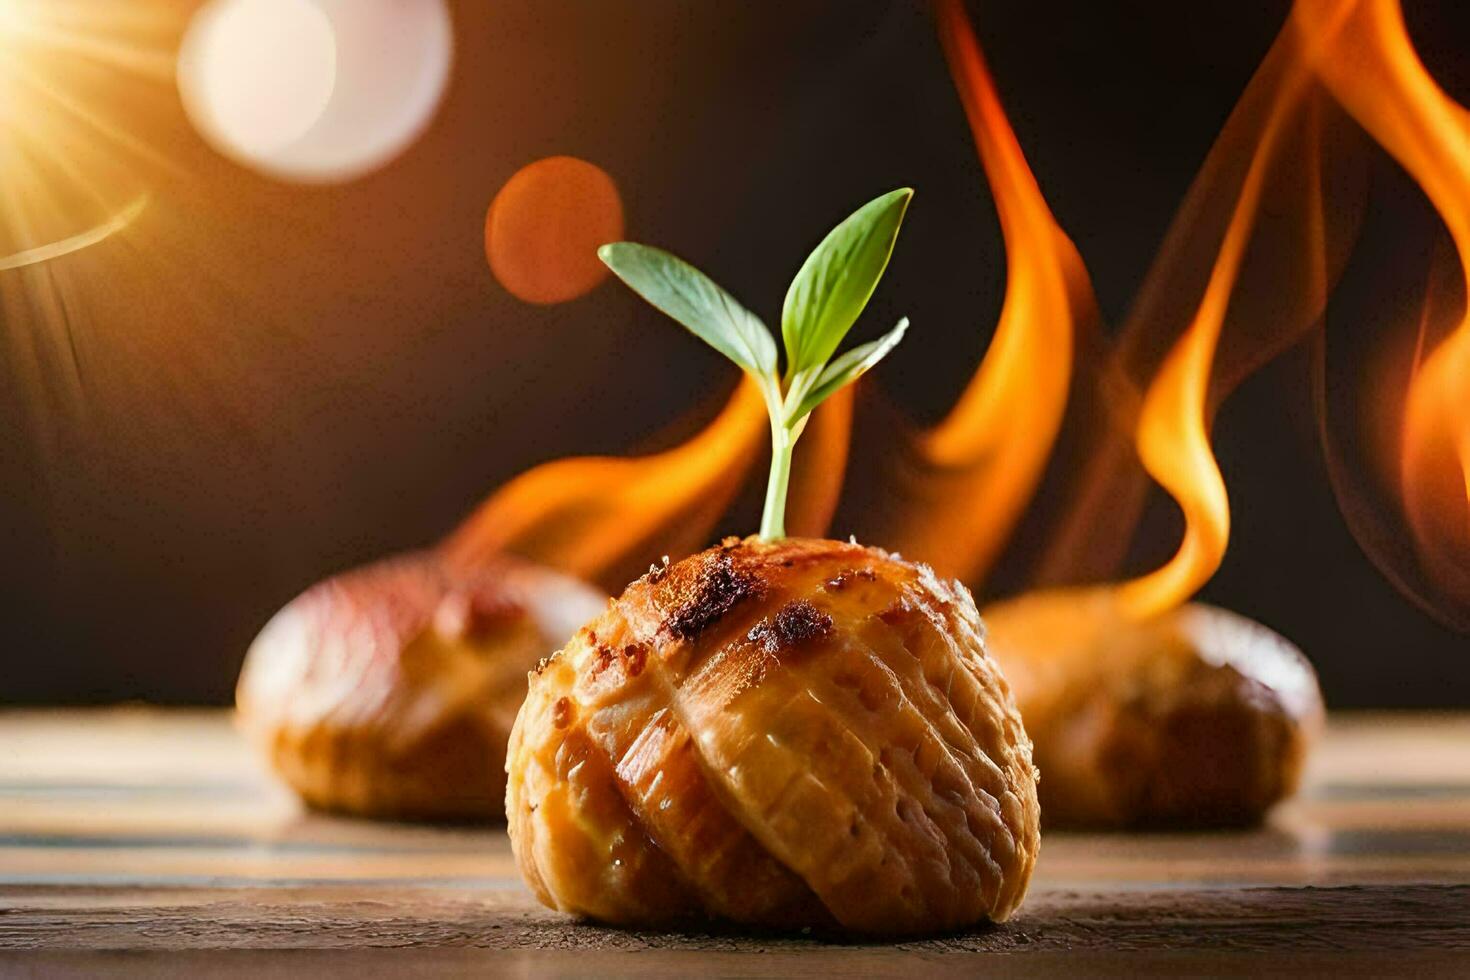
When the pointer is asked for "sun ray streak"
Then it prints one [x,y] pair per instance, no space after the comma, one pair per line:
[76,243]
[50,155]
[120,137]
[156,64]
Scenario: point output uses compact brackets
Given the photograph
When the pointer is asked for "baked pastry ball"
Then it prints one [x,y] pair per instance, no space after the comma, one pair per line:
[792,733]
[389,691]
[1194,718]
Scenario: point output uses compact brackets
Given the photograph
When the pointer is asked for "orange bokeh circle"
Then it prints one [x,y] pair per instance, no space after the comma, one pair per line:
[544,227]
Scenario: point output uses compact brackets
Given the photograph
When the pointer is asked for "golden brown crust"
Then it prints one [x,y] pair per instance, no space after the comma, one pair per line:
[799,733]
[1195,718]
[390,690]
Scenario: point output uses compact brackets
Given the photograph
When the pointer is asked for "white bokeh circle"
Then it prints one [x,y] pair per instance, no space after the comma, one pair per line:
[251,75]
[256,75]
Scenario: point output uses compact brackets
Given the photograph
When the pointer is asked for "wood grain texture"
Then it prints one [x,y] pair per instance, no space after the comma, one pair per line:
[1354,917]
[394,964]
[155,834]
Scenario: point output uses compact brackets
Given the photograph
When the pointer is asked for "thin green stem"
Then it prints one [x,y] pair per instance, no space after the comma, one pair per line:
[773,519]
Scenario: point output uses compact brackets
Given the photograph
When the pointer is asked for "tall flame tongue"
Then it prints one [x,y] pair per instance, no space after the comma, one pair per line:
[983,461]
[1172,435]
[603,518]
[1243,274]
[1372,69]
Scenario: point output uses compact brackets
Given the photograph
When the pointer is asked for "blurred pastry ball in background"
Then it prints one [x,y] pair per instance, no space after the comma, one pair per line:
[1194,718]
[389,691]
[792,734]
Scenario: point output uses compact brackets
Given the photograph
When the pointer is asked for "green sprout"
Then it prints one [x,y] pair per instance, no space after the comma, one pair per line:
[822,303]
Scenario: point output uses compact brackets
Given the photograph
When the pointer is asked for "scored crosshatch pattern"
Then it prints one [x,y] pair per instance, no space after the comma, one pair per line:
[151,830]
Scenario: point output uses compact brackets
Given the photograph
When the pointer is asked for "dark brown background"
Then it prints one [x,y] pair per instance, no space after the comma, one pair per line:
[265,384]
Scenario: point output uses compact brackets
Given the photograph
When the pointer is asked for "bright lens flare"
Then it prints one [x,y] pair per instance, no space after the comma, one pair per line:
[12,19]
[69,172]
[14,23]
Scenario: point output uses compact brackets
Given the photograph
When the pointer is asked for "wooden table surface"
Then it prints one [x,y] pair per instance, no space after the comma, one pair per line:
[145,842]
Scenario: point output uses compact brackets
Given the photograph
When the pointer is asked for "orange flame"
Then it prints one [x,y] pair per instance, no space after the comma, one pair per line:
[819,467]
[1244,273]
[985,458]
[605,518]
[599,517]
[1373,70]
[1435,472]
[1172,435]
[1203,322]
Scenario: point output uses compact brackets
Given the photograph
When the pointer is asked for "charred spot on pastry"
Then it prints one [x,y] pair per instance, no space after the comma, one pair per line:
[797,623]
[635,656]
[602,659]
[719,588]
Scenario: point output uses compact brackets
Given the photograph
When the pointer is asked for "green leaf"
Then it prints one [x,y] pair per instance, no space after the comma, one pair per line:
[837,279]
[692,298]
[825,299]
[843,371]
